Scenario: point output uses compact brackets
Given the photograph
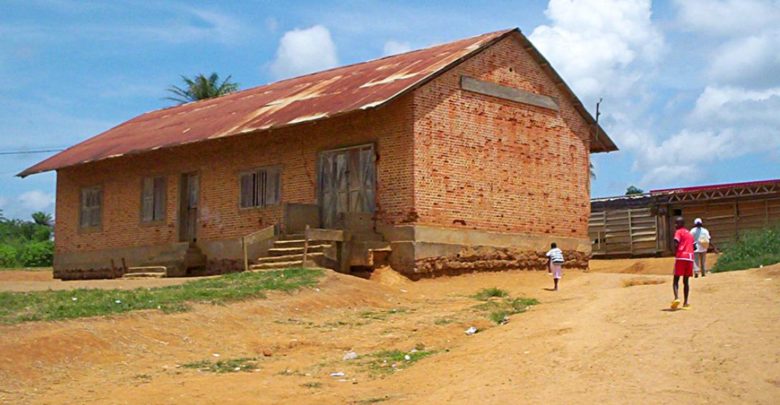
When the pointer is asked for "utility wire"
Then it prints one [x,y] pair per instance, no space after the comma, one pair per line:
[29,152]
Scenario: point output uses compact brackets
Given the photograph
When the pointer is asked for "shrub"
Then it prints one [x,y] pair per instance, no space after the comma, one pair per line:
[488,293]
[753,249]
[7,256]
[37,254]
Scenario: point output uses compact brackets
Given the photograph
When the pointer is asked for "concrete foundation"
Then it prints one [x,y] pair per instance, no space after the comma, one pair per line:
[424,251]
[97,264]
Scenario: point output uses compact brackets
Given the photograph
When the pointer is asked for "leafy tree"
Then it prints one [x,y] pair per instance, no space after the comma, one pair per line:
[7,256]
[201,87]
[37,254]
[42,218]
[26,243]
[633,190]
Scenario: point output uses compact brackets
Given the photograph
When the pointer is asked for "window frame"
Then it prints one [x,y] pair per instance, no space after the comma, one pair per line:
[260,202]
[153,220]
[99,208]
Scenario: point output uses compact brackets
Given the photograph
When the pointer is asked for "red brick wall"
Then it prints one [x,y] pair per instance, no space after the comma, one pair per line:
[491,164]
[219,163]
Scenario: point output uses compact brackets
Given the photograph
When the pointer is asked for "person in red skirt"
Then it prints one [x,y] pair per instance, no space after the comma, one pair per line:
[683,262]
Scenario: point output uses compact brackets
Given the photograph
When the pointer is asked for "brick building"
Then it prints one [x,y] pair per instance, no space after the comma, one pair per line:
[442,157]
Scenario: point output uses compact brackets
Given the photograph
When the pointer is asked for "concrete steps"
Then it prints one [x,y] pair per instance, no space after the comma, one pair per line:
[277,265]
[288,252]
[295,250]
[288,258]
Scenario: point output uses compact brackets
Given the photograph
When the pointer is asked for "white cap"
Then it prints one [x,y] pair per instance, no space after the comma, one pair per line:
[697,221]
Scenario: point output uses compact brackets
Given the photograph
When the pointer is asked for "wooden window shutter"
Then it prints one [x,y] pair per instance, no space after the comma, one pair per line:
[84,209]
[91,202]
[97,207]
[159,198]
[247,181]
[272,186]
[147,200]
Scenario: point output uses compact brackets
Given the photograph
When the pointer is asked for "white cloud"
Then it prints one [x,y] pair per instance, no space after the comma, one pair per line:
[601,48]
[36,200]
[727,17]
[304,51]
[394,47]
[736,113]
[613,49]
[718,106]
[726,123]
[750,61]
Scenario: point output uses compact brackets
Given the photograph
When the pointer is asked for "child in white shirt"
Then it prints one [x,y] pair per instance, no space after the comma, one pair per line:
[554,263]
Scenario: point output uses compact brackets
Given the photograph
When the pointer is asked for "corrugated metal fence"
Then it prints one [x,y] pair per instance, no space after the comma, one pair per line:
[627,231]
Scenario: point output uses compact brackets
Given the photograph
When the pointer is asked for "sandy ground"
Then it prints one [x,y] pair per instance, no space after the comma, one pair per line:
[605,337]
[652,265]
[41,280]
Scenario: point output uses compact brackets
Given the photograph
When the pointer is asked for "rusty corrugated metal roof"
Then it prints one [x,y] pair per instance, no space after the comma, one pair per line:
[306,98]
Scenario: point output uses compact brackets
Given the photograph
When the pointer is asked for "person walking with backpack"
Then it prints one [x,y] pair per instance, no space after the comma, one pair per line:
[702,242]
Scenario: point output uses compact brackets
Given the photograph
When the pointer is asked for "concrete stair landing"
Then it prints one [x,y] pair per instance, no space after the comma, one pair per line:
[288,252]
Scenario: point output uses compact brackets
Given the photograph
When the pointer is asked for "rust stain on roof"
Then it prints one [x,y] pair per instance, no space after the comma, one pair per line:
[302,99]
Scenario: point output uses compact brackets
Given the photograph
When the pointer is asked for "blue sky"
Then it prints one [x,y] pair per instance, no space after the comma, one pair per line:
[691,91]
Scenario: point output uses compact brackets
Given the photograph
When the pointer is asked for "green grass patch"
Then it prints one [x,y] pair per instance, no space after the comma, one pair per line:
[753,249]
[497,310]
[313,385]
[388,361]
[18,307]
[488,293]
[224,366]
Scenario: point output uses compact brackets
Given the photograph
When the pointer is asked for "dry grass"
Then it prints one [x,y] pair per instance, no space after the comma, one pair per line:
[642,281]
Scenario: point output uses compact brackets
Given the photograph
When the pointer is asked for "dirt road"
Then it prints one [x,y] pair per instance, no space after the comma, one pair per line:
[595,340]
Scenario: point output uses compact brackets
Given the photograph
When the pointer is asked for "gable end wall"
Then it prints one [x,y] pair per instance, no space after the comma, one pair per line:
[483,163]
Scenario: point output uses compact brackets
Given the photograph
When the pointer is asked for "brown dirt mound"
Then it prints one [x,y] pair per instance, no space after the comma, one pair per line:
[385,275]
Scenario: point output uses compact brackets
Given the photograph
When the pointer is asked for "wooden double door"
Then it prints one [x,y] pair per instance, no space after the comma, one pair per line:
[347,183]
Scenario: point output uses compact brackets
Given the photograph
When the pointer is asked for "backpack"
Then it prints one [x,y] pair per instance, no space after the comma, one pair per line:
[701,240]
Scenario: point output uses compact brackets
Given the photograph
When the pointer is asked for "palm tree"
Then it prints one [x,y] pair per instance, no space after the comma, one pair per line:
[201,87]
[42,218]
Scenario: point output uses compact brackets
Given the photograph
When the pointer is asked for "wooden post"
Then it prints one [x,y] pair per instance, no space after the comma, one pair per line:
[630,234]
[246,253]
[305,245]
